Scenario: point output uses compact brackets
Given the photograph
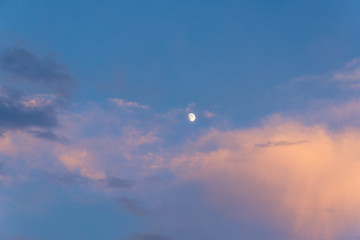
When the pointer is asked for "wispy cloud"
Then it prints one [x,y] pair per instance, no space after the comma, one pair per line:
[123,103]
[350,73]
[208,114]
[280,143]
[133,206]
[305,91]
[114,182]
[66,178]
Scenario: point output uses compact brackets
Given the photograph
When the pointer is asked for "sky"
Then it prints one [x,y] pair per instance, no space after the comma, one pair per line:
[95,140]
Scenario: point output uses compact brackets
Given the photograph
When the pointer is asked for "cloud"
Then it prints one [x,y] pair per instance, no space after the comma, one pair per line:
[295,174]
[32,92]
[49,135]
[208,114]
[290,186]
[71,178]
[14,115]
[66,178]
[133,206]
[19,64]
[161,176]
[80,160]
[123,103]
[114,182]
[304,92]
[20,238]
[148,236]
[279,143]
[7,146]
[350,73]
[296,177]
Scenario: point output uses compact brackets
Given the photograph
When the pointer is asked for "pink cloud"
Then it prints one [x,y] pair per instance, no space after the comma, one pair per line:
[80,160]
[7,146]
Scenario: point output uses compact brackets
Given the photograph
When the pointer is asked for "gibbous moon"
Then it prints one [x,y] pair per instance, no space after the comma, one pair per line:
[191,117]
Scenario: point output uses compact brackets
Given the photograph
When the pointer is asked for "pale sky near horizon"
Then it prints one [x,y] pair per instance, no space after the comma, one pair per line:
[95,137]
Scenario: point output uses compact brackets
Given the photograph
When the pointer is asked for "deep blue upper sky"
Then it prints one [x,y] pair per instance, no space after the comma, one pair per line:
[222,55]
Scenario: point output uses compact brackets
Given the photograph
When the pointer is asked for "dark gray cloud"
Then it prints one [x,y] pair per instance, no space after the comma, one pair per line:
[32,92]
[19,64]
[148,236]
[280,143]
[14,115]
[133,206]
[47,134]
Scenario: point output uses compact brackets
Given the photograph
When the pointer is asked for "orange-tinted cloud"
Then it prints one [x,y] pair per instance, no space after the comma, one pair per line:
[302,179]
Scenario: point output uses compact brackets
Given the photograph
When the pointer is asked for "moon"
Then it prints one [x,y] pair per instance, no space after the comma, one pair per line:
[191,117]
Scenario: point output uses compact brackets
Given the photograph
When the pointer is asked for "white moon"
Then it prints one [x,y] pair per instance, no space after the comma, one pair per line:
[191,117]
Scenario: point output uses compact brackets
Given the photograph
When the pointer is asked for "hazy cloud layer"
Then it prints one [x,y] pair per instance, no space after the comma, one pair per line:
[288,177]
[297,178]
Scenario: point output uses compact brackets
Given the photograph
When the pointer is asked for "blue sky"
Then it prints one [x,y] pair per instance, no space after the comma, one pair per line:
[95,139]
[174,53]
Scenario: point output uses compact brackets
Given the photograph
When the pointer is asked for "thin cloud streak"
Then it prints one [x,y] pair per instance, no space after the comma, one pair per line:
[123,103]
